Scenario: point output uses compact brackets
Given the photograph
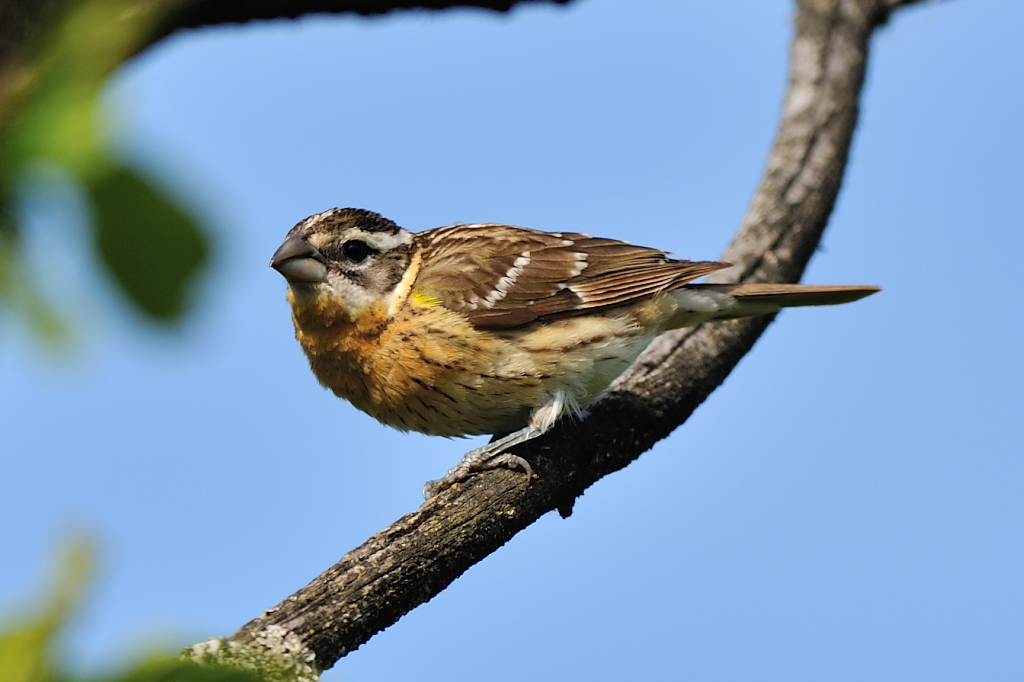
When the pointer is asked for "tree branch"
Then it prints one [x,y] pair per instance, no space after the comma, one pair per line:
[21,21]
[197,13]
[415,558]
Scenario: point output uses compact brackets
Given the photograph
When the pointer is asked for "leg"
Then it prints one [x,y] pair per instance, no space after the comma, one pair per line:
[494,455]
[490,456]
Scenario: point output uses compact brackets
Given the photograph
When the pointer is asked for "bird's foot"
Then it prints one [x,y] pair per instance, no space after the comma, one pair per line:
[482,459]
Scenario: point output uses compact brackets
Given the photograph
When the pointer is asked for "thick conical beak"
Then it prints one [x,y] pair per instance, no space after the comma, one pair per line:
[299,261]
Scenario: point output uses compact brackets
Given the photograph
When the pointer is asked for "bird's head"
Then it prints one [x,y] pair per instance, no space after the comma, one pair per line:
[346,259]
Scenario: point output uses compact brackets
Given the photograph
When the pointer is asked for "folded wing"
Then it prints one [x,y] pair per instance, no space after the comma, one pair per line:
[502,276]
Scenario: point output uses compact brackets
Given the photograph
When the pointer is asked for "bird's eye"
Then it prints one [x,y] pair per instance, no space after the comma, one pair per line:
[357,251]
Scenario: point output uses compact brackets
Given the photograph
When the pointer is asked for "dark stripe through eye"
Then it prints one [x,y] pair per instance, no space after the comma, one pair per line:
[357,251]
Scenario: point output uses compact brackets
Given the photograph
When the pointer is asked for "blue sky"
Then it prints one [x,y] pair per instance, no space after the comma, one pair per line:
[848,506]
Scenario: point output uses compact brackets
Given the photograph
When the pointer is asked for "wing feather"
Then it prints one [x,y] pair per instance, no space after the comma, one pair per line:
[502,276]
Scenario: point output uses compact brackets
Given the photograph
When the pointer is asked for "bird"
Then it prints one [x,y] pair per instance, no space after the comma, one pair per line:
[486,328]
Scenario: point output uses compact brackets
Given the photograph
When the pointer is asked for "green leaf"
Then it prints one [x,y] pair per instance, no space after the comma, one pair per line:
[26,651]
[149,246]
[49,110]
[18,292]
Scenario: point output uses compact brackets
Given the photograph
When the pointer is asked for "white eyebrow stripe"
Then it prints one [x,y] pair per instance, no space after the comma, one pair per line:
[381,241]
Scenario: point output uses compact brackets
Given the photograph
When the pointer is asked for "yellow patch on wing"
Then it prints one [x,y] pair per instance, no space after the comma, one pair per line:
[424,299]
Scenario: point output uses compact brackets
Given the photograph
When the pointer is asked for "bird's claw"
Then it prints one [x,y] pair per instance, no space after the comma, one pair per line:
[475,461]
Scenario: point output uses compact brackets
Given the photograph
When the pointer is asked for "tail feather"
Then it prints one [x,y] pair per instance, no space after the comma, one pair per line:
[702,302]
[790,295]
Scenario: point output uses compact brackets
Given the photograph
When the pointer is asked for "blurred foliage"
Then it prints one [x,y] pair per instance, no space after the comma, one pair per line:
[147,244]
[28,644]
[25,650]
[17,291]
